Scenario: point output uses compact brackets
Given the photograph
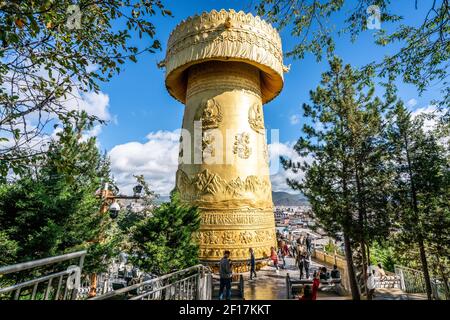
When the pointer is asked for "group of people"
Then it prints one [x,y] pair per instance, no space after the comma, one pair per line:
[302,258]
[226,273]
[310,291]
[300,250]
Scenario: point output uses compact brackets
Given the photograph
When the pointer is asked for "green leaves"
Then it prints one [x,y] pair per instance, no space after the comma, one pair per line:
[39,36]
[423,53]
[55,210]
[345,182]
[164,242]
[133,58]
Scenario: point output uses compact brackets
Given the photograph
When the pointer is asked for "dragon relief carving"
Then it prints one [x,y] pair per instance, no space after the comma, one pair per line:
[207,182]
[241,145]
[255,118]
[209,113]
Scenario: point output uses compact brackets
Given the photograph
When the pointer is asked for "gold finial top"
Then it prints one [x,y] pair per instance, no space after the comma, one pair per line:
[224,35]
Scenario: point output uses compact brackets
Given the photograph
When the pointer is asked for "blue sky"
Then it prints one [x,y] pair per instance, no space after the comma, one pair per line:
[145,115]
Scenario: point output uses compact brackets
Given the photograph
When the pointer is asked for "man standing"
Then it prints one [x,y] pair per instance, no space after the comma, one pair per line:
[252,264]
[225,276]
[306,260]
[308,243]
[300,263]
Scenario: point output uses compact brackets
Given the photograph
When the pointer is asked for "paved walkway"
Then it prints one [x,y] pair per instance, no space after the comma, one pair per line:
[271,285]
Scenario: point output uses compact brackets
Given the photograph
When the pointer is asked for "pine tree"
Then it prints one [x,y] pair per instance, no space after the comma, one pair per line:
[421,192]
[164,242]
[344,182]
[55,210]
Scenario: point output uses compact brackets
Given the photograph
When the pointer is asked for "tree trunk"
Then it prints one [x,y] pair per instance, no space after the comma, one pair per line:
[423,261]
[361,214]
[364,266]
[420,240]
[350,268]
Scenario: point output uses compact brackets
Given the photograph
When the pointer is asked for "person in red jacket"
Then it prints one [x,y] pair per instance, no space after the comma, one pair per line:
[315,286]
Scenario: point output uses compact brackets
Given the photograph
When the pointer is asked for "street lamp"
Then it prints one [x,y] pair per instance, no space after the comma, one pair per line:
[114,209]
[109,203]
[109,199]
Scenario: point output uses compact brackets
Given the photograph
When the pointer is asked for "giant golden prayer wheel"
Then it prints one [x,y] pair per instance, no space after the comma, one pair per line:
[224,65]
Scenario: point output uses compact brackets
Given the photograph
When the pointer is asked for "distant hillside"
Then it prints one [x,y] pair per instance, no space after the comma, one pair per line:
[162,199]
[288,199]
[279,199]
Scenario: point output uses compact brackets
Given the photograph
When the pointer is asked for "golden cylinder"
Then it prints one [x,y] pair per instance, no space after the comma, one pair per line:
[223,66]
[231,184]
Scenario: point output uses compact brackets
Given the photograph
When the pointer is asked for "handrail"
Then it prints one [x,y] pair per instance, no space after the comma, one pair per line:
[34,281]
[41,262]
[146,283]
[145,294]
[403,267]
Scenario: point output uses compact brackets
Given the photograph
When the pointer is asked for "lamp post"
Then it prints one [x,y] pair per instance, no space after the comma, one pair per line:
[109,203]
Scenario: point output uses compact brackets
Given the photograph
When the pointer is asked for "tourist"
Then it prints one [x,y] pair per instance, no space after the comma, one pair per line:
[315,287]
[381,272]
[301,240]
[274,257]
[286,249]
[335,274]
[308,243]
[307,294]
[299,262]
[299,249]
[306,264]
[252,264]
[281,255]
[323,274]
[225,276]
[293,250]
[371,285]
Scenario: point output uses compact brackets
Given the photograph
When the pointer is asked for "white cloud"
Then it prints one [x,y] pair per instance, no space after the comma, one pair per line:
[412,103]
[431,110]
[96,104]
[278,174]
[156,159]
[294,119]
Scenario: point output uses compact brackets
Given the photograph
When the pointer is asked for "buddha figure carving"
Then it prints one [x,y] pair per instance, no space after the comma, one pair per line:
[223,66]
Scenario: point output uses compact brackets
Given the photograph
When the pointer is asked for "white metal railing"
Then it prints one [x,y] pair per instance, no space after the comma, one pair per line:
[389,281]
[42,286]
[194,283]
[413,281]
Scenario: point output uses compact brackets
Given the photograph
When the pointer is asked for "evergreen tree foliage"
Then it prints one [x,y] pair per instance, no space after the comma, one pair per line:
[345,181]
[165,241]
[55,209]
